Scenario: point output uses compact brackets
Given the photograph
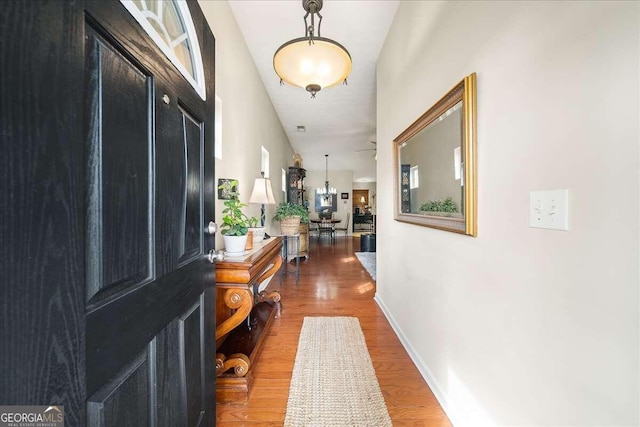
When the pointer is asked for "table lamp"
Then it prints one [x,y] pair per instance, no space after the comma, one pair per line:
[262,194]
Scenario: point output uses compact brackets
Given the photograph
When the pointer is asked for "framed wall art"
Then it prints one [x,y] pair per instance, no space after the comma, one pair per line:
[225,189]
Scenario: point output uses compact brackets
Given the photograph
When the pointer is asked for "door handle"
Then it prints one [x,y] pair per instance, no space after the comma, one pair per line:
[215,256]
[211,229]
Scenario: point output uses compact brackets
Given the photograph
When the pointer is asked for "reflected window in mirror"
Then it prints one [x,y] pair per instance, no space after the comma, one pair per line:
[414,177]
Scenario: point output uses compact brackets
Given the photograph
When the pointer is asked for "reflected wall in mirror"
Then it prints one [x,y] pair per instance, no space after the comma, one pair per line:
[435,164]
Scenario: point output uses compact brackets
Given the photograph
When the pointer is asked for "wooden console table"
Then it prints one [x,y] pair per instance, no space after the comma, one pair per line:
[244,314]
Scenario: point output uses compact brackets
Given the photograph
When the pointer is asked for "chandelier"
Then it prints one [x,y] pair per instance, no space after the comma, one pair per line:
[312,62]
[326,192]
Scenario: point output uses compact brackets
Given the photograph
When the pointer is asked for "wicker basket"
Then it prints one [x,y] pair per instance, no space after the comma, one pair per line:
[289,226]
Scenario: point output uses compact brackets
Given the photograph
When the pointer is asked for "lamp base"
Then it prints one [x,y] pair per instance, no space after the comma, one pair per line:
[262,216]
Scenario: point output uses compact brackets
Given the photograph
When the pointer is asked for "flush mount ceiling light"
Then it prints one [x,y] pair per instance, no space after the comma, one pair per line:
[312,62]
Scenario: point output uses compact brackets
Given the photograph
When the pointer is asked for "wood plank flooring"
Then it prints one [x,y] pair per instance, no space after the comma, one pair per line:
[333,283]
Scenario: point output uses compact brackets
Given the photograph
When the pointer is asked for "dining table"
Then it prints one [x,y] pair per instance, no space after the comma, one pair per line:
[331,231]
[318,221]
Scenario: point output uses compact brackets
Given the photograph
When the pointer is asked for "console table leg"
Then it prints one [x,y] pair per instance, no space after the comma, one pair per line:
[273,296]
[240,300]
[238,362]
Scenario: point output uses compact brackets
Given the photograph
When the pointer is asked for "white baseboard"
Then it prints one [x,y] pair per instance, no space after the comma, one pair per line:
[422,367]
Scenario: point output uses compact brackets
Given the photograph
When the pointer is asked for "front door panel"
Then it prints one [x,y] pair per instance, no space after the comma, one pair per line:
[149,285]
[125,400]
[119,176]
[191,243]
[107,182]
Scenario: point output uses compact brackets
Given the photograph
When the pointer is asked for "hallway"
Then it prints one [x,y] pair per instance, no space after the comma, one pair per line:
[333,283]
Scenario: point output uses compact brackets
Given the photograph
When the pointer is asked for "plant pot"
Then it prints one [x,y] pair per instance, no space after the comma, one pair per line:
[289,226]
[258,233]
[234,244]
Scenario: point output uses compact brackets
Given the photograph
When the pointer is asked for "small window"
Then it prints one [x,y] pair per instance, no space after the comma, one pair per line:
[284,184]
[169,24]
[264,164]
[218,128]
[414,177]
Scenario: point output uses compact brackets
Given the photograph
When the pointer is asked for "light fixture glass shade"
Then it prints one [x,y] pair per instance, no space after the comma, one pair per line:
[321,64]
[262,192]
[326,190]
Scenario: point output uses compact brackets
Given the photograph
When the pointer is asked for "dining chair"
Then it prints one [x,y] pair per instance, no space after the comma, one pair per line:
[346,226]
[313,228]
[326,227]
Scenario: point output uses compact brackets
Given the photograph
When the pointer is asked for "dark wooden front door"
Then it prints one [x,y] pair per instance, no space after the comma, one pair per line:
[116,320]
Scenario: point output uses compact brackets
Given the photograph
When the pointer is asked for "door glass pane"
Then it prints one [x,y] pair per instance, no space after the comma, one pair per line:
[169,25]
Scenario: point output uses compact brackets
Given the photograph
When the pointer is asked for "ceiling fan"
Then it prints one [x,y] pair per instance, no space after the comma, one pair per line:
[375,150]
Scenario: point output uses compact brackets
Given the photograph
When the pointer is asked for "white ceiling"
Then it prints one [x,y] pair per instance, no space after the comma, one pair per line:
[341,119]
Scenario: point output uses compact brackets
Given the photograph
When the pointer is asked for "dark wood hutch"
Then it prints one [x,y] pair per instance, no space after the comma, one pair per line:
[297,194]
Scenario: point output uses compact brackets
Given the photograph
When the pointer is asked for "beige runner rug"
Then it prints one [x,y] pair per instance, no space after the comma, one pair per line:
[333,381]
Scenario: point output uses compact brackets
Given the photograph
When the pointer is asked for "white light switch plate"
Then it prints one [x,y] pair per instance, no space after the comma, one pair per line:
[549,209]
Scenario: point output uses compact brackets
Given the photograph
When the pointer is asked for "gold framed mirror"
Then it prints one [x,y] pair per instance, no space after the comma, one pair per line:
[435,164]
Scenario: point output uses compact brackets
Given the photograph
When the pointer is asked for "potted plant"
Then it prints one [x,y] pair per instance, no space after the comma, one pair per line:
[446,207]
[290,216]
[257,230]
[235,224]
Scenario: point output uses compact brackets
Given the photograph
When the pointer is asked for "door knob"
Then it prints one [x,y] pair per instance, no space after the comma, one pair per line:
[211,228]
[215,256]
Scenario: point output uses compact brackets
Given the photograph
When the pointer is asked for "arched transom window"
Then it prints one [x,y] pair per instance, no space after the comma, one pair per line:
[169,24]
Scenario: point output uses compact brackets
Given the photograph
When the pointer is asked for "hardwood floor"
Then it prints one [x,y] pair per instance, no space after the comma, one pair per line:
[333,283]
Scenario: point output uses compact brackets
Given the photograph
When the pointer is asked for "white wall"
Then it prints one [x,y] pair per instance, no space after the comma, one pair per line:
[249,120]
[522,326]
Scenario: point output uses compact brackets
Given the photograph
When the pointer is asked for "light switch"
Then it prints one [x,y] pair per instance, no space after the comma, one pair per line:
[549,209]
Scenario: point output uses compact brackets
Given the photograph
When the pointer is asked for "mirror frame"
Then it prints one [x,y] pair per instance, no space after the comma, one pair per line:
[464,91]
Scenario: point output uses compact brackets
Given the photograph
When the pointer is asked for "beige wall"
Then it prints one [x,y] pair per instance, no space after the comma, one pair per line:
[249,120]
[522,326]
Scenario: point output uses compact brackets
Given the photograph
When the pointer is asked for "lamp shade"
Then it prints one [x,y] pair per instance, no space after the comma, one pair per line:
[262,192]
[313,66]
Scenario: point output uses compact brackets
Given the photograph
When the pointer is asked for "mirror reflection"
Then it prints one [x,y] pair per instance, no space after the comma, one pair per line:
[433,161]
[435,164]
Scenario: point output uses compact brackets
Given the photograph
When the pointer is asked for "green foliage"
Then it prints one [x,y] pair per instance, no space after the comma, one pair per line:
[253,221]
[446,205]
[325,214]
[235,222]
[286,210]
